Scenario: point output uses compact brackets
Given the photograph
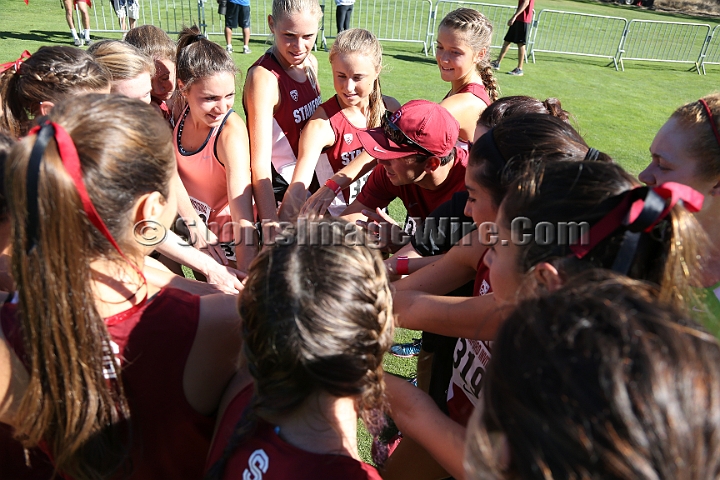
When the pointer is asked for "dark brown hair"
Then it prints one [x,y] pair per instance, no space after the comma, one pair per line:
[125,151]
[599,381]
[153,42]
[567,192]
[198,57]
[317,316]
[50,74]
[506,107]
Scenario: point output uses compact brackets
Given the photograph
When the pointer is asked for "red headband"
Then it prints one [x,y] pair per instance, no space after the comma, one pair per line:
[71,162]
[711,119]
[641,212]
[7,66]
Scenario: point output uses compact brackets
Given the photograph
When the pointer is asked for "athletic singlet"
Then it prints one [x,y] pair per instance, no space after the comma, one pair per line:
[152,344]
[266,456]
[205,180]
[298,101]
[342,152]
[469,361]
[477,89]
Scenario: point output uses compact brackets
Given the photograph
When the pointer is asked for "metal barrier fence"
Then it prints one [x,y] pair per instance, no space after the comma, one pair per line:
[572,33]
[711,53]
[497,14]
[673,42]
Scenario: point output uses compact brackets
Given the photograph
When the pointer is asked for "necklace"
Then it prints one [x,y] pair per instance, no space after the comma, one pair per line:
[180,130]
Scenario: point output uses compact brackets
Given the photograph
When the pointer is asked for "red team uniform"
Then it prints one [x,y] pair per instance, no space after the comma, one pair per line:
[298,102]
[347,146]
[265,456]
[469,361]
[152,343]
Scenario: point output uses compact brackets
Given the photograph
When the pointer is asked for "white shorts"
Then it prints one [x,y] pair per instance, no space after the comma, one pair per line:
[129,8]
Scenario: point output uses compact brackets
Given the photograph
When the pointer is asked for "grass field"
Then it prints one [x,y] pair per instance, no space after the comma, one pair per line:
[616,112]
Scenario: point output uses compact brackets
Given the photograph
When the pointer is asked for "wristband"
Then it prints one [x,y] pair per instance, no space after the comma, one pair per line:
[333,185]
[402,266]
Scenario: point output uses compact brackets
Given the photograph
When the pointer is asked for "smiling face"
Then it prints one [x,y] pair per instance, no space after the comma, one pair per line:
[672,160]
[211,98]
[354,76]
[294,36]
[506,276]
[163,83]
[454,56]
[138,87]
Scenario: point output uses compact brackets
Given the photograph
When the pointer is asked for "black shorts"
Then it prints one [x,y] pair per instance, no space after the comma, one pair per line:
[517,33]
[237,15]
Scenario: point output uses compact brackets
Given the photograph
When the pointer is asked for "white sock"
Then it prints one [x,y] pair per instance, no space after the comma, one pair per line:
[229,46]
[87,34]
[74,32]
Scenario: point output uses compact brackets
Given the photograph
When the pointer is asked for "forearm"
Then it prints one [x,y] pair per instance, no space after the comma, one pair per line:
[477,318]
[358,167]
[417,417]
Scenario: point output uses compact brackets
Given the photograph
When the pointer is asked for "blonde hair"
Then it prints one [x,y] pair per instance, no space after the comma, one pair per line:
[705,146]
[285,8]
[363,42]
[478,32]
[121,59]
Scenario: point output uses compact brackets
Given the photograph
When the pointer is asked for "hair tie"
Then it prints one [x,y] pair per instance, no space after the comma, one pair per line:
[592,154]
[640,210]
[71,161]
[15,63]
[711,119]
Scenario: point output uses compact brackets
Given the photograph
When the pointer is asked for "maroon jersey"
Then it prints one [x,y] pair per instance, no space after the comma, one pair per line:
[470,360]
[152,343]
[419,202]
[298,101]
[13,463]
[265,456]
[477,89]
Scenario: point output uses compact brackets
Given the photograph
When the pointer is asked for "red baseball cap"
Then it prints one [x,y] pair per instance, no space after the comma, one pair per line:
[429,126]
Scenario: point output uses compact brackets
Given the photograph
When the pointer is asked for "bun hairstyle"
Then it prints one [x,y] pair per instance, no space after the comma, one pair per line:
[478,32]
[363,42]
[73,402]
[50,74]
[503,153]
[599,380]
[667,251]
[317,316]
[506,107]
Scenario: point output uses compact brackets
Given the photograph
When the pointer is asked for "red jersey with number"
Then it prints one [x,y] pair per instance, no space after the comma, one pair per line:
[152,344]
[266,456]
[298,101]
[418,201]
[345,148]
[470,360]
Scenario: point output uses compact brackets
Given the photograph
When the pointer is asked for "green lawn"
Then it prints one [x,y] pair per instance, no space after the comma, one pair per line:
[617,112]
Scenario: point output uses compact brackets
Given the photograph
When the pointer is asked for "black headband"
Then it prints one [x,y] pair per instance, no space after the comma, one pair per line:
[44,134]
[487,148]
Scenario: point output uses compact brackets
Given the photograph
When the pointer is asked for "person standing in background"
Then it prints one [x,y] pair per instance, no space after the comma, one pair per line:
[519,25]
[83,6]
[237,14]
[343,14]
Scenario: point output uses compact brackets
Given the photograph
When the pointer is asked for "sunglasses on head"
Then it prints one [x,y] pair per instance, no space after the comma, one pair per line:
[394,133]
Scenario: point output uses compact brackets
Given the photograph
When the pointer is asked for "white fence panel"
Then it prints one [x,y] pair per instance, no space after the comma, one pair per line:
[571,33]
[711,52]
[672,42]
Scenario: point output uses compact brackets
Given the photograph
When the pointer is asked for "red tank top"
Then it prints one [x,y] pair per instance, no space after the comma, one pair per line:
[477,89]
[268,457]
[170,439]
[205,179]
[469,361]
[298,100]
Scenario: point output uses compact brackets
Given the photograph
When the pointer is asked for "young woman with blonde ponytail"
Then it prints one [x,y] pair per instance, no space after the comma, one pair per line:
[462,53]
[317,320]
[329,140]
[108,374]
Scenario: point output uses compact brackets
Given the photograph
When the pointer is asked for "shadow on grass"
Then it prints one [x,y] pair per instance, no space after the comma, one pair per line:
[39,36]
[633,65]
[430,60]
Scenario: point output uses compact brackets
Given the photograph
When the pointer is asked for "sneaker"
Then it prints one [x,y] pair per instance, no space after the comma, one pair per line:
[88,42]
[407,350]
[229,49]
[246,49]
[78,42]
[413,381]
[517,72]
[495,65]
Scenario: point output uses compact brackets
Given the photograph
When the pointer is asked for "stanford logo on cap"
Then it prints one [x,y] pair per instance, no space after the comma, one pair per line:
[396,116]
[348,137]
[294,95]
